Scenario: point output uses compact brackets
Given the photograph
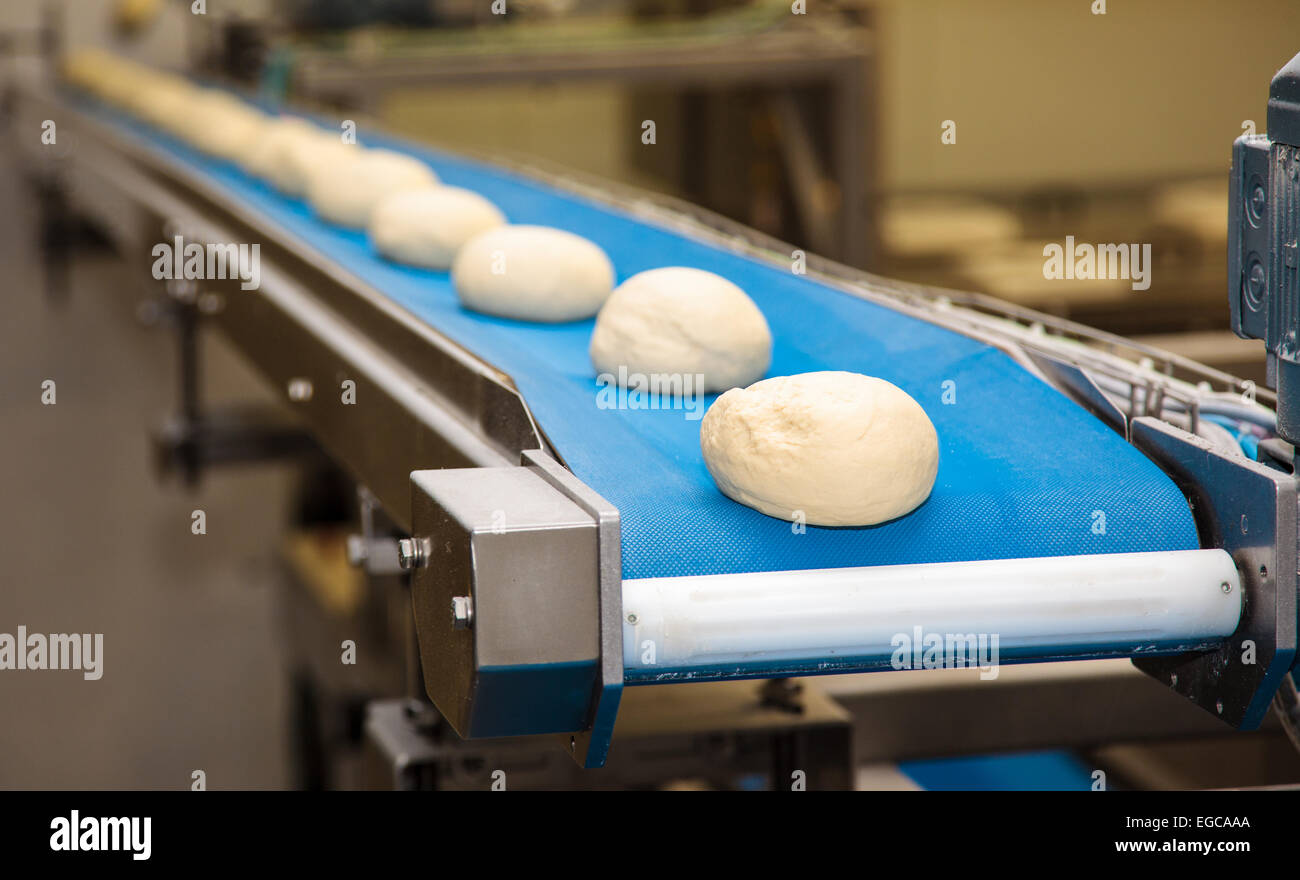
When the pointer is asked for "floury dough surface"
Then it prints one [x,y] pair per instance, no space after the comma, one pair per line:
[426,227]
[842,448]
[681,321]
[165,104]
[222,125]
[271,157]
[532,273]
[290,167]
[344,187]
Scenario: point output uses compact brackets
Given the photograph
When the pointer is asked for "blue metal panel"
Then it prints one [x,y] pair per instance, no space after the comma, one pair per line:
[1026,771]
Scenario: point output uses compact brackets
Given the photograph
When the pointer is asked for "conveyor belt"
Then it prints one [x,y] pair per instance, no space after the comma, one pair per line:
[1023,471]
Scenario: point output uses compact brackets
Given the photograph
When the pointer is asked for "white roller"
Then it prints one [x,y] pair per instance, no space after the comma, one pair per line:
[1061,605]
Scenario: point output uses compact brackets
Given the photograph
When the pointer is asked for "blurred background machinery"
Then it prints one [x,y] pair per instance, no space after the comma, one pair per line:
[826,130]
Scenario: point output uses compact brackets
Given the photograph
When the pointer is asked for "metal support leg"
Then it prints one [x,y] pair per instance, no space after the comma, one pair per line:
[198,437]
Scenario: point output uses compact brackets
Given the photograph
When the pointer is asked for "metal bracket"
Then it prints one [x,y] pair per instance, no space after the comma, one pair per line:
[1076,384]
[399,754]
[198,437]
[591,747]
[517,603]
[1250,511]
[377,554]
[227,435]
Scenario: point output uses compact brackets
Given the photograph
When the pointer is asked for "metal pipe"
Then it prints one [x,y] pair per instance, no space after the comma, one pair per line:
[857,619]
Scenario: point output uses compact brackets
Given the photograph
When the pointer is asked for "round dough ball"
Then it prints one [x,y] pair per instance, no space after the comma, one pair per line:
[425,227]
[104,75]
[179,112]
[684,321]
[221,125]
[165,103]
[843,448]
[87,68]
[289,167]
[269,156]
[532,273]
[344,187]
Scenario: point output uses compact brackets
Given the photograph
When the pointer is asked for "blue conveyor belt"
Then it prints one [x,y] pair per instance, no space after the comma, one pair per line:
[1023,471]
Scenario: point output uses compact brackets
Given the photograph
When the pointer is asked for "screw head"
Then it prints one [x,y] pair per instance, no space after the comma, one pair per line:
[1257,202]
[462,612]
[410,553]
[300,390]
[1256,282]
[1226,587]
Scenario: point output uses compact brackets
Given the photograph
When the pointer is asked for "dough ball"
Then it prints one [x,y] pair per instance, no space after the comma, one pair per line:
[104,75]
[679,320]
[175,109]
[533,273]
[221,125]
[289,167]
[344,188]
[846,449]
[269,157]
[88,68]
[425,227]
[164,103]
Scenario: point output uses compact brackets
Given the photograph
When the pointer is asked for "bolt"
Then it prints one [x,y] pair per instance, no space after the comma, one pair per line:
[300,390]
[1256,281]
[1226,587]
[358,552]
[462,612]
[632,618]
[410,553]
[1257,200]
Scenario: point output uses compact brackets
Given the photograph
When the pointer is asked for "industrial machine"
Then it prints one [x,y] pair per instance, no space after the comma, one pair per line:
[1263,279]
[1096,499]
